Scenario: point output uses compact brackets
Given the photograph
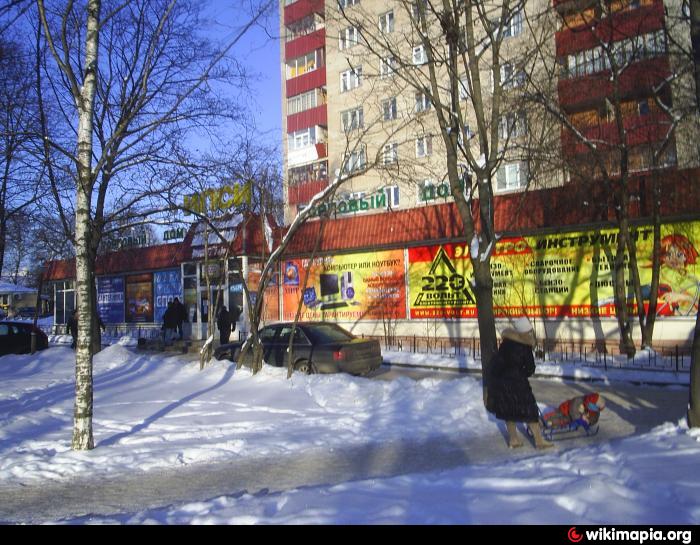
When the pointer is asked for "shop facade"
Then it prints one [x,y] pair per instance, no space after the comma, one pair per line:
[404,274]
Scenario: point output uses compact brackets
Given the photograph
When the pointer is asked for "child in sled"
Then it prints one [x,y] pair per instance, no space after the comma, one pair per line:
[581,410]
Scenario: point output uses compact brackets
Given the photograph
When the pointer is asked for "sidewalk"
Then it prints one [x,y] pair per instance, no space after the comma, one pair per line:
[631,410]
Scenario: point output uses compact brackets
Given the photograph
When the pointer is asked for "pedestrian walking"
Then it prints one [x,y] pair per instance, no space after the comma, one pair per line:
[509,395]
[169,323]
[180,316]
[235,316]
[72,328]
[223,322]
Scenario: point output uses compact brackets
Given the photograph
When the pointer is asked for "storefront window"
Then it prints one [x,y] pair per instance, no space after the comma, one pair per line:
[139,298]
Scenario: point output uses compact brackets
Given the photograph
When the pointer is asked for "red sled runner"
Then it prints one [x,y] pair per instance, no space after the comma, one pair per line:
[580,412]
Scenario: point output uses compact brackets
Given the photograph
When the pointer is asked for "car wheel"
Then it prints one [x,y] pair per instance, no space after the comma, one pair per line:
[305,367]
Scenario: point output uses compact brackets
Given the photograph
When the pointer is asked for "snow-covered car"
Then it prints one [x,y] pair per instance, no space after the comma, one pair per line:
[318,347]
[16,338]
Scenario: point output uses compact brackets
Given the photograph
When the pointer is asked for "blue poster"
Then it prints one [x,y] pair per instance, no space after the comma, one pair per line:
[110,299]
[167,286]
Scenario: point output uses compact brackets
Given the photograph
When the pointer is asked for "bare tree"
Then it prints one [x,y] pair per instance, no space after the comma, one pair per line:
[459,60]
[20,173]
[600,146]
[137,79]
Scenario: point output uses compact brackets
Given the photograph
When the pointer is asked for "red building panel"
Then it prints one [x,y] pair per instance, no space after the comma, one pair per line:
[639,80]
[308,118]
[301,8]
[303,193]
[639,130]
[305,44]
[618,27]
[306,82]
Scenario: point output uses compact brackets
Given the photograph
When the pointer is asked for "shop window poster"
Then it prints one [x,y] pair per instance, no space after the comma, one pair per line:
[139,298]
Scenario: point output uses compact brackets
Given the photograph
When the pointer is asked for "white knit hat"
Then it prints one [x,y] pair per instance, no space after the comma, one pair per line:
[523,325]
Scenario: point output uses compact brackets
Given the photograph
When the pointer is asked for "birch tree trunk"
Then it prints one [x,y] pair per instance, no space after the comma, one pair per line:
[82,425]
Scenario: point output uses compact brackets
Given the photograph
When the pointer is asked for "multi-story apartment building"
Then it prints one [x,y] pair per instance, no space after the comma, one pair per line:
[568,94]
[346,108]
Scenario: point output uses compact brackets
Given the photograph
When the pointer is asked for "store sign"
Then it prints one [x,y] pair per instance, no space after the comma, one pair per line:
[431,191]
[217,200]
[110,299]
[557,275]
[138,241]
[366,286]
[174,234]
[375,201]
[167,286]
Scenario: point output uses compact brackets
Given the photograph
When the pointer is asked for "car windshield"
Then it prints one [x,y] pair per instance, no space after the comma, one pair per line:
[328,333]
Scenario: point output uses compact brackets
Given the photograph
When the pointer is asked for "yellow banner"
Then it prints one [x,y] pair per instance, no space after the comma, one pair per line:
[557,275]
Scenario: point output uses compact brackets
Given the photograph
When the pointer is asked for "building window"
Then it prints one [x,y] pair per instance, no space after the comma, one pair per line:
[347,3]
[348,38]
[511,176]
[514,25]
[512,126]
[308,173]
[387,67]
[390,154]
[422,102]
[463,88]
[301,139]
[352,119]
[350,79]
[424,146]
[597,59]
[392,196]
[386,22]
[511,77]
[305,101]
[389,109]
[355,161]
[304,27]
[306,63]
[419,55]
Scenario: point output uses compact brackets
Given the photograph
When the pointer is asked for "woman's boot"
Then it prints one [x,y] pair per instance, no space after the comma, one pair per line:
[540,441]
[513,439]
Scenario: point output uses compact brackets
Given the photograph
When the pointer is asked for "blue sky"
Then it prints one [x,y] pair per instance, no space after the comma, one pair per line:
[260,52]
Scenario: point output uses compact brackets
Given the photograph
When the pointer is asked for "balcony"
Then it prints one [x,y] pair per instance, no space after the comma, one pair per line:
[306,82]
[304,192]
[305,44]
[638,80]
[308,118]
[307,154]
[569,6]
[617,27]
[640,130]
[300,9]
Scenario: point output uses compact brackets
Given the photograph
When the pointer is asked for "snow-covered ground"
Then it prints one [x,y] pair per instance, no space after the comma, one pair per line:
[159,411]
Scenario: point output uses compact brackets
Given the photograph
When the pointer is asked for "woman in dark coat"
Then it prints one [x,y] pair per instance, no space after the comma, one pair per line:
[510,396]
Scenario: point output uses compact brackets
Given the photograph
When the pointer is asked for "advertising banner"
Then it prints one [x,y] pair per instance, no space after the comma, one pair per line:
[167,286]
[139,298]
[366,286]
[110,299]
[556,275]
[271,305]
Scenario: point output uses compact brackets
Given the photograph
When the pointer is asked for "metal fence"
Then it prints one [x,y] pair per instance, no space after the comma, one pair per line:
[668,358]
[146,331]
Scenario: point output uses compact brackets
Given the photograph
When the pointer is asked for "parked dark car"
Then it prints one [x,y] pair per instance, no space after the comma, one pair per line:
[16,338]
[319,347]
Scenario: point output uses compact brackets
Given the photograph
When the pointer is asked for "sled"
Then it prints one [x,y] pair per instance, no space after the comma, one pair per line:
[553,429]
